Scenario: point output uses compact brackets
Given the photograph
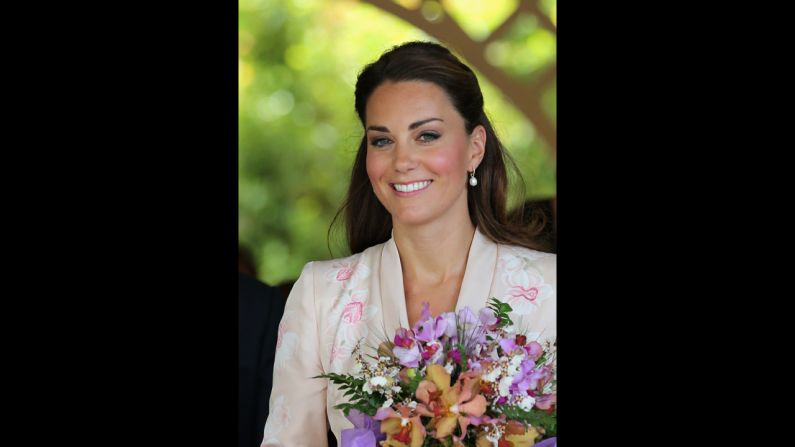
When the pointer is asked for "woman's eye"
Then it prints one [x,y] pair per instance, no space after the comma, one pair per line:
[427,137]
[379,142]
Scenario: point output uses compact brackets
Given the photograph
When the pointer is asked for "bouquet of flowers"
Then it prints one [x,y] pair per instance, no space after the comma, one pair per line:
[458,379]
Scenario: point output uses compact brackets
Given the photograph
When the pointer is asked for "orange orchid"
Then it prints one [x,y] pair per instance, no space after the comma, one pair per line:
[449,405]
[514,434]
[403,427]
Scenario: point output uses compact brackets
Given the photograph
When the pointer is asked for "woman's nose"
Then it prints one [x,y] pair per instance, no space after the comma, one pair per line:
[405,157]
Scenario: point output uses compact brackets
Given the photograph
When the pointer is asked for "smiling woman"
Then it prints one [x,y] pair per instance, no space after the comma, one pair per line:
[418,170]
[423,85]
[421,232]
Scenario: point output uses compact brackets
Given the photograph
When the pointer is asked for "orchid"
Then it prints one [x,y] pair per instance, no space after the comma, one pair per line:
[406,349]
[402,427]
[460,379]
[366,431]
[448,405]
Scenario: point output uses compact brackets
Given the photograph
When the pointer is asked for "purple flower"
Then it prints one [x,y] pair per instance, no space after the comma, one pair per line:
[487,317]
[534,350]
[541,374]
[485,419]
[550,442]
[528,365]
[449,327]
[455,355]
[383,413]
[473,332]
[522,380]
[425,318]
[545,402]
[426,330]
[426,311]
[404,338]
[466,317]
[433,352]
[357,437]
[363,420]
[408,356]
[520,385]
[507,345]
[430,329]
[366,431]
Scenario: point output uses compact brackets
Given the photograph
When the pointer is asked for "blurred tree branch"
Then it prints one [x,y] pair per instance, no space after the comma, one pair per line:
[525,95]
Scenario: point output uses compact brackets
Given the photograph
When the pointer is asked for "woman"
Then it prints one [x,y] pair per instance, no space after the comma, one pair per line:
[426,219]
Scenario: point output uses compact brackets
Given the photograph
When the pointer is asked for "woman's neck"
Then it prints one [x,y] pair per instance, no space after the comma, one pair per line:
[433,254]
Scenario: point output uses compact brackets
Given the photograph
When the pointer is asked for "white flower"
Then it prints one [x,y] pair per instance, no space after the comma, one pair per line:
[492,375]
[412,405]
[378,381]
[449,367]
[527,403]
[505,384]
[494,434]
[387,403]
[516,362]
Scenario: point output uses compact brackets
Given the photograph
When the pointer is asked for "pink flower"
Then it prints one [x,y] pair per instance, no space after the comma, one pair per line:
[508,345]
[404,338]
[528,293]
[538,377]
[455,355]
[406,349]
[430,350]
[352,313]
[546,401]
[534,350]
[338,352]
[487,317]
[344,274]
[409,357]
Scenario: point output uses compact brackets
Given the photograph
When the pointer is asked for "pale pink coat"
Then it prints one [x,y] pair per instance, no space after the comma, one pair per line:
[336,303]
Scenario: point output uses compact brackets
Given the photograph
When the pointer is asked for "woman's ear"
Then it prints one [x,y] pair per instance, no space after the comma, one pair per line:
[477,146]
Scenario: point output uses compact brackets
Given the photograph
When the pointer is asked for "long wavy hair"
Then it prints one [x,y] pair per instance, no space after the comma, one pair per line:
[367,222]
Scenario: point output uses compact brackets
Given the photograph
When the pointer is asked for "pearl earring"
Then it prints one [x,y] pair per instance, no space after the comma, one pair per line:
[472,180]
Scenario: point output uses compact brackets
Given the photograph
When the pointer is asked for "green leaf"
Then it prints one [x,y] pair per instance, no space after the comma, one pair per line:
[535,417]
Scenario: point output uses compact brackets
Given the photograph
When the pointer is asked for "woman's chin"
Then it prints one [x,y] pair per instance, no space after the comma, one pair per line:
[410,218]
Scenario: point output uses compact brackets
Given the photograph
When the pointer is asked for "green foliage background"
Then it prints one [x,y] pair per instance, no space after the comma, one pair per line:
[298,132]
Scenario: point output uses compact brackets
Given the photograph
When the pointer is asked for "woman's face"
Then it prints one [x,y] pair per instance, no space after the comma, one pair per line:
[418,153]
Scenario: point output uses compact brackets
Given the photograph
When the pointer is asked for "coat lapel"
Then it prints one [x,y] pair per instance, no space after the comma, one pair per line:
[393,298]
[479,274]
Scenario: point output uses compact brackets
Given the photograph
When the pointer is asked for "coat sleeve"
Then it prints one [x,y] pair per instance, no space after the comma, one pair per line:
[298,402]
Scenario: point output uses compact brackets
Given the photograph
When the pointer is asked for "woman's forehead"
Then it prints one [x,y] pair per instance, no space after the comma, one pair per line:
[406,102]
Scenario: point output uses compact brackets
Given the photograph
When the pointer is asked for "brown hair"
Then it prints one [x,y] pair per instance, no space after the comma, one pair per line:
[367,222]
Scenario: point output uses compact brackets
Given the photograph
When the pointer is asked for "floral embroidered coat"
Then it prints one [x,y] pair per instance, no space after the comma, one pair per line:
[336,303]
